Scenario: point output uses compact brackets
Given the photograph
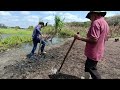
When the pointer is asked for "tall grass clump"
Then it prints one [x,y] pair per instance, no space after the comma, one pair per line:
[66,33]
[15,40]
[0,37]
[48,30]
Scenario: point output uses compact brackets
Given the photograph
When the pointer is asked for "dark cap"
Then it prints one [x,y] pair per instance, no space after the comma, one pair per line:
[41,23]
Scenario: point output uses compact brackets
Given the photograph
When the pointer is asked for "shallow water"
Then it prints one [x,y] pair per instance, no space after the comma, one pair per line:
[27,47]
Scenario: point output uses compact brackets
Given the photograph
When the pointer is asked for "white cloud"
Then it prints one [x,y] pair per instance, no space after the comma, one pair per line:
[60,13]
[9,18]
[109,14]
[15,16]
[49,18]
[25,12]
[25,18]
[70,18]
[48,12]
[15,20]
[5,13]
[32,18]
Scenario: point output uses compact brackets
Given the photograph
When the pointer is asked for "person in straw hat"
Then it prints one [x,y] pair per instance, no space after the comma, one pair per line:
[95,43]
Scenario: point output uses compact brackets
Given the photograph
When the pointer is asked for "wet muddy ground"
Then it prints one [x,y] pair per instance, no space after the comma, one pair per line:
[15,65]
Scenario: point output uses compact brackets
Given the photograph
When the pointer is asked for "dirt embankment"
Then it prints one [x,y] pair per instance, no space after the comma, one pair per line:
[23,68]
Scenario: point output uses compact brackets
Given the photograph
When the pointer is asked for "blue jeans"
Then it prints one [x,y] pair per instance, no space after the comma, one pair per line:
[35,42]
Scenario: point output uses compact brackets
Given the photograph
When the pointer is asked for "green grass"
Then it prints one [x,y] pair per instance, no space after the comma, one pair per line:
[16,38]
[14,31]
[47,30]
[13,41]
[1,44]
[20,36]
[0,37]
[66,33]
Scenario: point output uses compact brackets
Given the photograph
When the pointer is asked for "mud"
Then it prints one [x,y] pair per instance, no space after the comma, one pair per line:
[15,65]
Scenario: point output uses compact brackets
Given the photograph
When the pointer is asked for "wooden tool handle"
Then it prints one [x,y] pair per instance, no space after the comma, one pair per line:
[67,54]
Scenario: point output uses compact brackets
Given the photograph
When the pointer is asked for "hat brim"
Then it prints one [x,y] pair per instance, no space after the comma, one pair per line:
[101,13]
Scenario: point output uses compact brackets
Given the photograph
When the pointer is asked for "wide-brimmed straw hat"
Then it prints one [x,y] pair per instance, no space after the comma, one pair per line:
[102,13]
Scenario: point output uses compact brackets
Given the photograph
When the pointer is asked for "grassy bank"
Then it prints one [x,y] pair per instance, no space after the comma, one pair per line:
[65,32]
[15,31]
[13,41]
[19,36]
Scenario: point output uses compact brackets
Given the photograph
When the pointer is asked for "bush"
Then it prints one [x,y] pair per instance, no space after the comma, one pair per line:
[30,28]
[78,24]
[17,27]
[66,33]
[48,30]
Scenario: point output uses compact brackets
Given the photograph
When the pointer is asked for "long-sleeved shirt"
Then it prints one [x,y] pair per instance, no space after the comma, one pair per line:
[36,32]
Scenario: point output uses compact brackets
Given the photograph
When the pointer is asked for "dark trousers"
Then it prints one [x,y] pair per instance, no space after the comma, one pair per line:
[35,42]
[91,67]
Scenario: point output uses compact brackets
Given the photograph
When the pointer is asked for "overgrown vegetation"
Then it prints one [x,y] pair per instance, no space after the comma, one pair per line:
[14,31]
[16,37]
[0,37]
[78,24]
[66,33]
[3,25]
[59,24]
[60,28]
[14,41]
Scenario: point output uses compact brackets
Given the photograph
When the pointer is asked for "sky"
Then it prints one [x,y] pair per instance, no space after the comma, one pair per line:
[24,19]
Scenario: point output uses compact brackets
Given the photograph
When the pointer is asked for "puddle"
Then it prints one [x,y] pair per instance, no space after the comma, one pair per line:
[27,47]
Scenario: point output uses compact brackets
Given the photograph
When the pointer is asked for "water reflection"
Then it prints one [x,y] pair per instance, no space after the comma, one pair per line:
[27,47]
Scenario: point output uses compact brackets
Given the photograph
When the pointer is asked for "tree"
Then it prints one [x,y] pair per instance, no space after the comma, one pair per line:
[30,27]
[2,26]
[17,27]
[59,24]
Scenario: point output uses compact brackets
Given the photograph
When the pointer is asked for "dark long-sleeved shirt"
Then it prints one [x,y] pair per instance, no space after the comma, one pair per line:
[36,32]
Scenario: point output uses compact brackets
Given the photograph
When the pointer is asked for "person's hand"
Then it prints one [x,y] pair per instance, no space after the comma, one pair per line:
[46,24]
[77,36]
[41,36]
